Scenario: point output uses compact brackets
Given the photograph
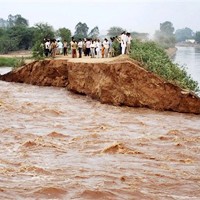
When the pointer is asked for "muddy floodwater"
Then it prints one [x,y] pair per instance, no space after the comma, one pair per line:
[58,145]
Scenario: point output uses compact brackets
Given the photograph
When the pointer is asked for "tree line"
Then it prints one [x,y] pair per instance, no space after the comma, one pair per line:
[168,37]
[16,34]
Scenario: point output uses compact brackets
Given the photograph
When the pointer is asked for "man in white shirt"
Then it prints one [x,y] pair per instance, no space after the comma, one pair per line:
[123,42]
[60,47]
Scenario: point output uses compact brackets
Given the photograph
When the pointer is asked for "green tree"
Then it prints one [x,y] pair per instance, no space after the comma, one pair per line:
[94,33]
[167,28]
[3,23]
[43,30]
[197,36]
[2,31]
[81,30]
[15,20]
[20,21]
[64,34]
[115,31]
[184,34]
[165,36]
[11,20]
[6,44]
[21,36]
[15,35]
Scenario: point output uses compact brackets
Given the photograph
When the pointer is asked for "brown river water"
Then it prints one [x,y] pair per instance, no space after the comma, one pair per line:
[58,145]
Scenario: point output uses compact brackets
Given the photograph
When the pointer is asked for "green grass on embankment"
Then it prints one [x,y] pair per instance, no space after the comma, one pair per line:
[156,60]
[11,62]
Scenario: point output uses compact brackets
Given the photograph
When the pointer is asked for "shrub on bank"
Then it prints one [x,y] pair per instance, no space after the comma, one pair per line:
[155,59]
[38,51]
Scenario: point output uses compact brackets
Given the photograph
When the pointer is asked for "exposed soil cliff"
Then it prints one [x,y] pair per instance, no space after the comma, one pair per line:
[119,82]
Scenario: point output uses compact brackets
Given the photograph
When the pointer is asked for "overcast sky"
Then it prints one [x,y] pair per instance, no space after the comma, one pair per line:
[132,15]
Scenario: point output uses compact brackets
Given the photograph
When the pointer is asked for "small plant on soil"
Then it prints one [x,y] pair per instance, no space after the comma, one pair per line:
[19,62]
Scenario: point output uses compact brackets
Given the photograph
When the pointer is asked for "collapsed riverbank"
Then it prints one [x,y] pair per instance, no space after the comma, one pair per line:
[118,81]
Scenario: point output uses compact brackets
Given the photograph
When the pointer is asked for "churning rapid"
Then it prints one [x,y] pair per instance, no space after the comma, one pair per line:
[60,145]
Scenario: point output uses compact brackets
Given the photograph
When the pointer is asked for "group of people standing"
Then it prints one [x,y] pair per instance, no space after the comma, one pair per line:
[89,47]
[98,49]
[53,47]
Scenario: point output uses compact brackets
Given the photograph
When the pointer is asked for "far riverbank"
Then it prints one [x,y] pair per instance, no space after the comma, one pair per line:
[185,44]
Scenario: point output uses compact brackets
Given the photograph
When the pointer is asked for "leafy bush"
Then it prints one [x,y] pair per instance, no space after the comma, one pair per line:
[38,51]
[155,59]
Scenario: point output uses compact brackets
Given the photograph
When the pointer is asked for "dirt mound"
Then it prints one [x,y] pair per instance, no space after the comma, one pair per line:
[117,81]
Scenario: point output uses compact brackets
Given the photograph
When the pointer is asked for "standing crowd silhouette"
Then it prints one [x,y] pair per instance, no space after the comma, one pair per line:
[94,48]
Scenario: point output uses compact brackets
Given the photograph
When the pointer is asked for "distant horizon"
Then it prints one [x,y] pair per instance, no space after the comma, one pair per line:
[101,32]
[142,16]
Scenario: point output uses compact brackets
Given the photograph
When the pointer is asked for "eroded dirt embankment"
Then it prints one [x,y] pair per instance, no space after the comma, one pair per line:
[119,82]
